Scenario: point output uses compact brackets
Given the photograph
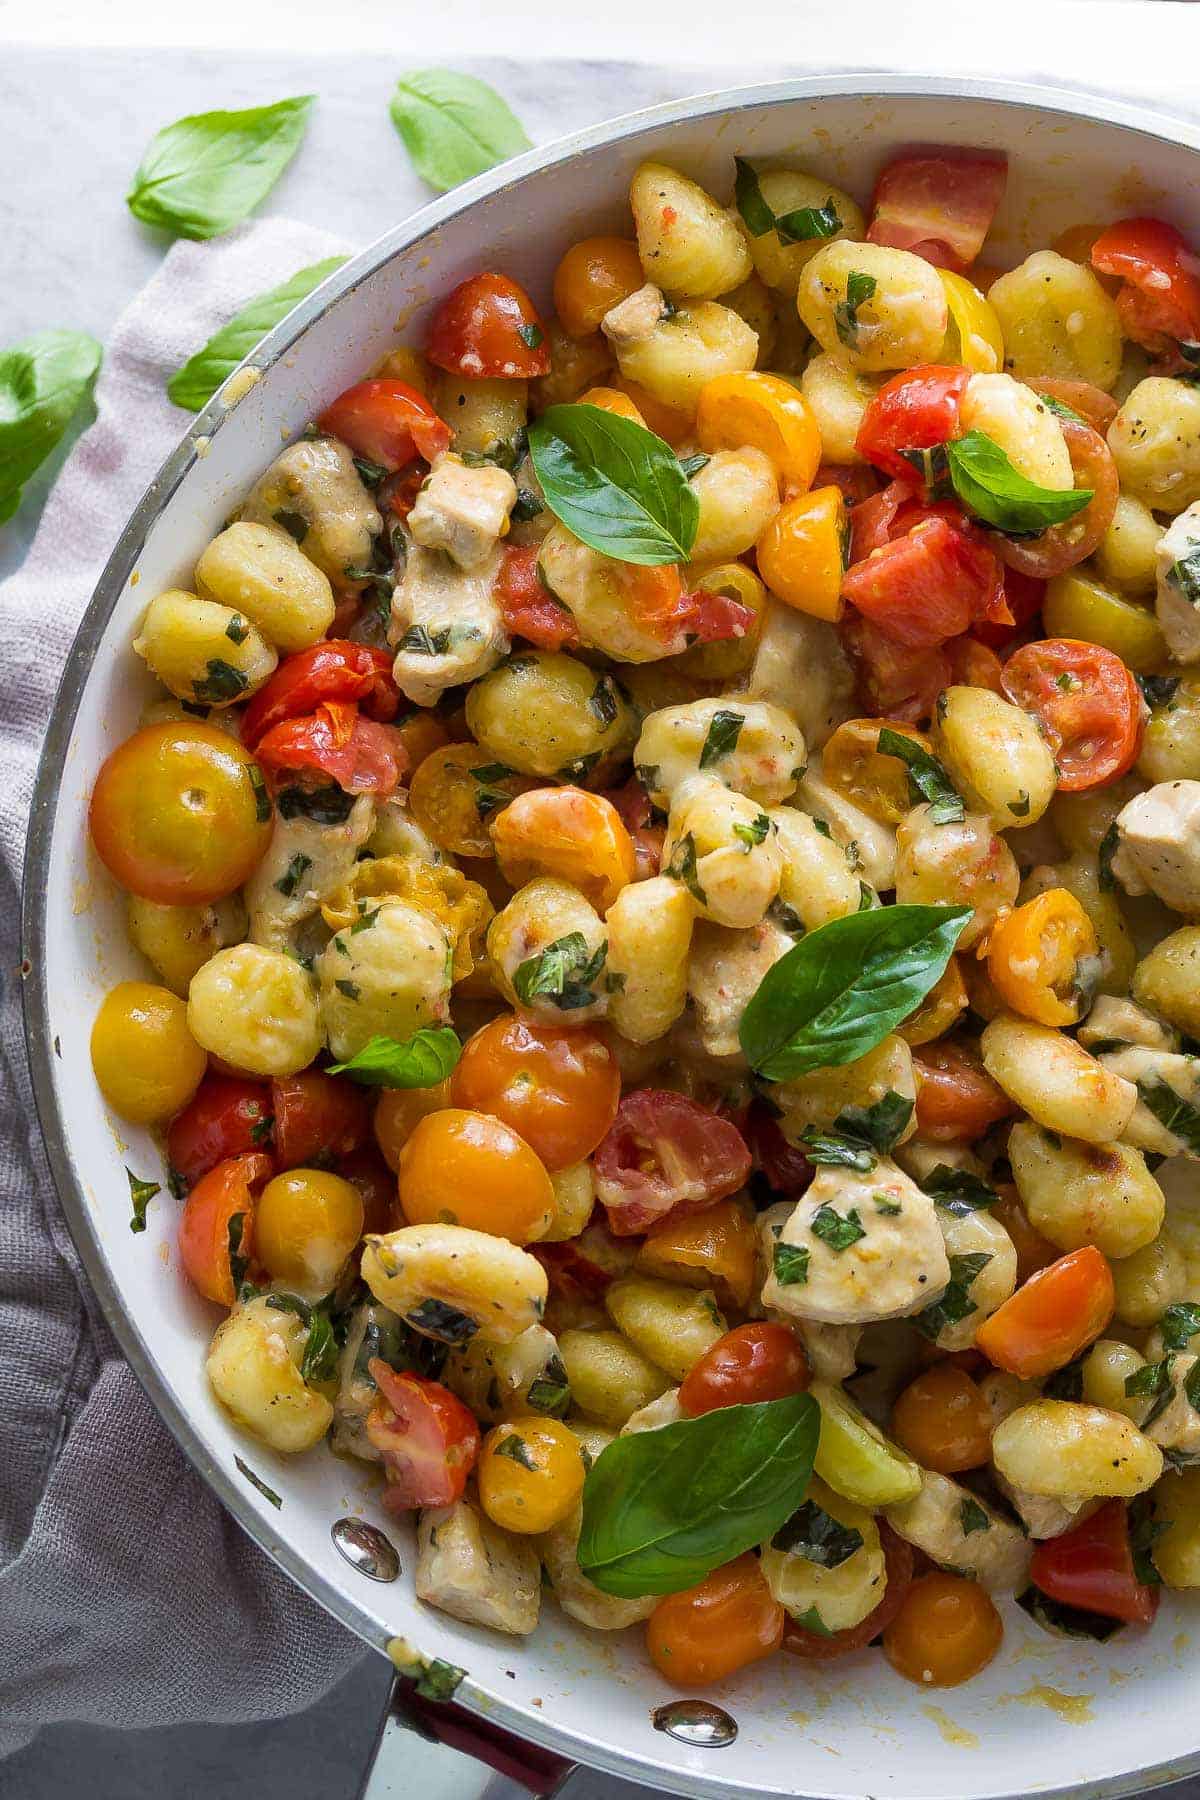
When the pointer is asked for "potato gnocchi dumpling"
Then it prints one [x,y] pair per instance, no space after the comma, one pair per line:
[723,848]
[550,715]
[260,571]
[1057,321]
[688,244]
[874,307]
[202,652]
[750,745]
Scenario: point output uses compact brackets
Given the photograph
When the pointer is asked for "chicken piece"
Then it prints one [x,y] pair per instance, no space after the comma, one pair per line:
[724,970]
[830,1348]
[580,1598]
[800,665]
[1178,559]
[397,833]
[313,491]
[1158,847]
[305,862]
[870,847]
[666,1410]
[471,1569]
[944,1520]
[1177,1427]
[635,318]
[1042,1516]
[446,625]
[1122,1022]
[373,1331]
[1161,1078]
[463,511]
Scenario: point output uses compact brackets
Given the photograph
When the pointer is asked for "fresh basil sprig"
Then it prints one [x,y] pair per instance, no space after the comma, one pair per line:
[989,486]
[1179,1324]
[957,1191]
[818,1537]
[614,484]
[194,385]
[207,172]
[42,381]
[422,1060]
[454,126]
[663,1509]
[798,227]
[955,1303]
[564,973]
[927,778]
[842,988]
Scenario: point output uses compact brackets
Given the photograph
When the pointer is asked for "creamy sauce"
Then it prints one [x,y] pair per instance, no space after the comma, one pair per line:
[239,385]
[951,1733]
[1073,1709]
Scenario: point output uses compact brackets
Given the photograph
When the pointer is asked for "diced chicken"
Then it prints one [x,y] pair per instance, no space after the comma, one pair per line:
[634,319]
[1114,1021]
[446,625]
[1153,1071]
[830,1348]
[862,1247]
[580,1598]
[1177,1427]
[313,491]
[666,1410]
[463,511]
[1042,1516]
[397,833]
[869,846]
[304,863]
[1158,846]
[800,665]
[469,1568]
[1178,559]
[724,970]
[943,1520]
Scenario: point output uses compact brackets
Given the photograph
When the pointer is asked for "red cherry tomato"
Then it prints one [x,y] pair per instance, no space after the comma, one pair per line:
[750,1363]
[585,1267]
[557,1086]
[227,1116]
[1088,707]
[938,203]
[317,1115]
[361,756]
[335,670]
[856,482]
[927,586]
[428,1439]
[1093,405]
[1023,597]
[386,422]
[785,1169]
[530,609]
[1091,1566]
[488,326]
[666,1154]
[893,682]
[1160,302]
[915,410]
[1052,1317]
[204,1234]
[957,1100]
[705,1633]
[814,1646]
[1055,551]
[367,1171]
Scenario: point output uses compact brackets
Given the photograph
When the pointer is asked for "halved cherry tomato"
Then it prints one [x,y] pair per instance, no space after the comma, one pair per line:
[1023,597]
[915,410]
[1091,1566]
[336,669]
[1088,707]
[785,1169]
[366,1170]
[637,815]
[569,833]
[317,1115]
[585,1267]
[1034,954]
[947,1630]
[386,422]
[938,203]
[426,1436]
[1159,305]
[801,553]
[204,1224]
[942,1420]
[716,1248]
[972,664]
[894,682]
[662,1153]
[1055,551]
[750,1363]
[227,1116]
[656,600]
[488,326]
[817,1646]
[856,482]
[1092,403]
[1057,1313]
[461,1167]
[852,763]
[557,1087]
[957,1100]
[529,608]
[927,586]
[707,1632]
[1034,1252]
[361,756]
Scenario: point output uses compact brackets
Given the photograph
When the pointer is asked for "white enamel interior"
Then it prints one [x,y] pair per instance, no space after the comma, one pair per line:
[853,1729]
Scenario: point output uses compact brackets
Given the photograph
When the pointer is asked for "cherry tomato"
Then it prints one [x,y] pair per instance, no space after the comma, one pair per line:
[637,815]
[709,618]
[205,1237]
[398,1111]
[529,608]
[750,1363]
[180,814]
[146,1062]
[228,1116]
[306,1224]
[785,1169]
[568,833]
[943,1421]
[585,1267]
[317,1115]
[1088,707]
[957,1100]
[428,1439]
[1034,954]
[464,1168]
[715,1248]
[915,410]
[336,669]
[1034,1252]
[664,1151]
[558,1087]
[893,682]
[1160,302]
[595,275]
[386,422]
[488,326]
[361,756]
[1093,405]
[927,586]
[945,1632]
[1055,551]
[366,1170]
[972,664]
[1091,1566]
[531,1473]
[817,1646]
[702,1635]
[1052,1317]
[1023,597]
[856,482]
[872,518]
[938,203]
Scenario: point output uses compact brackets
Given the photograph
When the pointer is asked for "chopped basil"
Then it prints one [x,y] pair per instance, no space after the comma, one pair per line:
[603,703]
[838,1232]
[754,833]
[991,487]
[348,988]
[692,465]
[972,1517]
[526,506]
[1144,1529]
[927,778]
[1066,1621]
[320,1350]
[811,1620]
[268,1493]
[369,473]
[818,1537]
[1179,1324]
[828,1151]
[324,806]
[790,1265]
[439,1680]
[891,1209]
[955,1304]
[1153,1379]
[1104,858]
[1173,1112]
[1019,808]
[420,641]
[489,798]
[581,767]
[531,336]
[1062,409]
[237,630]
[223,682]
[563,973]
[420,1061]
[294,523]
[140,1193]
[550,1392]
[1158,690]
[516,1450]
[1185,575]
[365,920]
[682,867]
[957,1191]
[859,289]
[1191,1387]
[1066,1383]
[297,869]
[721,738]
[860,1134]
[797,227]
[440,1320]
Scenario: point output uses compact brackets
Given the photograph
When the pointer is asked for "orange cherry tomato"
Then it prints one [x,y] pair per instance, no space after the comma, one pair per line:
[557,1086]
[972,664]
[801,553]
[454,793]
[761,1361]
[464,1168]
[399,1111]
[566,831]
[1087,704]
[205,1239]
[1057,1313]
[664,421]
[767,412]
[946,1631]
[420,735]
[595,275]
[716,1247]
[1034,955]
[702,1635]
[943,1421]
[610,399]
[488,326]
[1034,1252]
[939,1010]
[957,1100]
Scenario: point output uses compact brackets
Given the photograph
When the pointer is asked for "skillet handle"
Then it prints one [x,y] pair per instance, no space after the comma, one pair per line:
[520,1768]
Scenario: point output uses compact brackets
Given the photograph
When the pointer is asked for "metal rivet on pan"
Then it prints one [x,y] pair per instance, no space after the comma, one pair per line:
[696,1722]
[366,1548]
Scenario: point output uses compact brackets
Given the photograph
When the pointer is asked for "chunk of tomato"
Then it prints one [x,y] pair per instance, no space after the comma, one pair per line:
[227,1116]
[317,1116]
[1052,1317]
[760,1361]
[386,422]
[915,410]
[957,1100]
[928,586]
[894,682]
[488,327]
[426,1436]
[207,1236]
[1087,704]
[663,1154]
[939,203]
[529,608]
[785,1169]
[1023,597]
[360,755]
[1091,1566]
[1159,304]
[336,670]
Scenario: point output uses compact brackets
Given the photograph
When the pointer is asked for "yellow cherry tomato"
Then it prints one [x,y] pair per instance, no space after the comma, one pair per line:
[614,401]
[1078,606]
[853,764]
[1034,955]
[801,553]
[306,1224]
[146,1062]
[939,1010]
[530,1473]
[768,413]
[973,335]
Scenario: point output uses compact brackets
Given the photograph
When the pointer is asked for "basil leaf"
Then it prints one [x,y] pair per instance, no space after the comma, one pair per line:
[663,1509]
[721,738]
[268,1493]
[422,1060]
[453,126]
[881,1125]
[828,1151]
[1172,1111]
[551,1391]
[957,1191]
[859,288]
[1153,1379]
[818,1537]
[1063,1620]
[790,1264]
[140,1194]
[797,227]
[832,1229]
[42,381]
[614,484]
[1066,1383]
[320,1349]
[297,869]
[329,805]
[955,1303]
[1185,575]
[989,486]
[811,1620]
[754,833]
[205,173]
[1179,1324]
[194,385]
[238,1264]
[927,778]
[971,1517]
[842,988]
[563,973]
